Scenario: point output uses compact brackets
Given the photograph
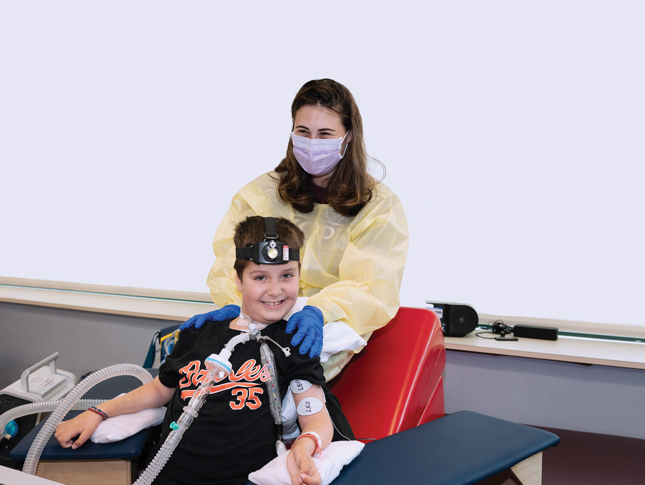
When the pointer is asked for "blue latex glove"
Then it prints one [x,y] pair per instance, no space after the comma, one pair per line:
[224,313]
[309,321]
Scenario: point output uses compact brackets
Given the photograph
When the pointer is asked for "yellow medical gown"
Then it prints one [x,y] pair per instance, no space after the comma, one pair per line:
[351,266]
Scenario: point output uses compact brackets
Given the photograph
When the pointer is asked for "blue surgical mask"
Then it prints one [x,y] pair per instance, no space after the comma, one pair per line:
[319,156]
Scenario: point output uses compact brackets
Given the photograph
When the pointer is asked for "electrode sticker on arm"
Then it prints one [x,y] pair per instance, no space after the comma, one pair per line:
[309,406]
[298,386]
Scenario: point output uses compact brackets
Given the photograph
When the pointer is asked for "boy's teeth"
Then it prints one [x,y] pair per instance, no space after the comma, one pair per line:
[274,303]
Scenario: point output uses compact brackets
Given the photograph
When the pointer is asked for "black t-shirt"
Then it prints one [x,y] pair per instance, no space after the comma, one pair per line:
[234,433]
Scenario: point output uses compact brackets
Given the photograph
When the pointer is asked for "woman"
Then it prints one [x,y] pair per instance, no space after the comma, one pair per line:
[355,228]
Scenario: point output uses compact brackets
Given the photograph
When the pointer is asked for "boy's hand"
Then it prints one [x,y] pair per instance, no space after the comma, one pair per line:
[225,313]
[309,321]
[300,464]
[82,426]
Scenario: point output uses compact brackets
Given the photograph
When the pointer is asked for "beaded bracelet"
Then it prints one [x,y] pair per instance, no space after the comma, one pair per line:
[314,436]
[96,410]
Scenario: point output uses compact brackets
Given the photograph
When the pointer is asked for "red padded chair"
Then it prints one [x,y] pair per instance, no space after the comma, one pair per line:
[395,383]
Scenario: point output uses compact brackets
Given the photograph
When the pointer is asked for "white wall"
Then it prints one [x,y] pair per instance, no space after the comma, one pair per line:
[512,132]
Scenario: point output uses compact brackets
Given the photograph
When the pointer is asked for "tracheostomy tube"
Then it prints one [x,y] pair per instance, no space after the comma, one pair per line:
[218,368]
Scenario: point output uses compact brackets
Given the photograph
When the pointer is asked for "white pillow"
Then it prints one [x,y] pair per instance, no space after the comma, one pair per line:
[329,464]
[118,428]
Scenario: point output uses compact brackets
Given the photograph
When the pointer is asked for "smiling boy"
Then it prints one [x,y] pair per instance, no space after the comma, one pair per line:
[235,432]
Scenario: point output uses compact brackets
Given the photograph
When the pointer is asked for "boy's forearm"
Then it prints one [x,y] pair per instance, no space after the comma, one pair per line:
[151,395]
[320,425]
[319,422]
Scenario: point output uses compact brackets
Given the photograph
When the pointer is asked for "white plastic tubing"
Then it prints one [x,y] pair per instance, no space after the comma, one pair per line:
[169,445]
[190,411]
[71,401]
[43,407]
[65,405]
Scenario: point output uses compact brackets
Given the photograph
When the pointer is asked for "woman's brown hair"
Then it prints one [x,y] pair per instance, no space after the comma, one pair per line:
[350,186]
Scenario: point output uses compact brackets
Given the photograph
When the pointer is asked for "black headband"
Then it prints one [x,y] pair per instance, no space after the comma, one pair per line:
[270,251]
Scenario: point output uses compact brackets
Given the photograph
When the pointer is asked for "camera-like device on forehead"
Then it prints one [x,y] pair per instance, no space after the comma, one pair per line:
[269,251]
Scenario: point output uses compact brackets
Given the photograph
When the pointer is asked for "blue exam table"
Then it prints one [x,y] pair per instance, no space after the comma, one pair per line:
[458,449]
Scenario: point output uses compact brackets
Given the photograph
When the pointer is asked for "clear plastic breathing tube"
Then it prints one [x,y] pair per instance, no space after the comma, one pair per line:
[66,404]
[274,395]
[272,383]
[275,402]
[44,407]
[218,368]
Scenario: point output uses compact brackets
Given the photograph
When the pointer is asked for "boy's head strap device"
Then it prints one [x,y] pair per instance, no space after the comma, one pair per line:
[270,228]
[269,251]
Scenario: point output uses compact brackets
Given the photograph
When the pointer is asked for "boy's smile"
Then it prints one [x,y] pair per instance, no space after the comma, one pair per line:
[269,291]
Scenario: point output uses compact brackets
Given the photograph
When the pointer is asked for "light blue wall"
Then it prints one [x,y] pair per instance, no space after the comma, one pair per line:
[580,397]
[561,395]
[85,341]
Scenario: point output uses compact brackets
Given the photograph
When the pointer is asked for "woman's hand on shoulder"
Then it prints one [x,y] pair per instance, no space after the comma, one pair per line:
[227,312]
[300,464]
[82,426]
[309,322]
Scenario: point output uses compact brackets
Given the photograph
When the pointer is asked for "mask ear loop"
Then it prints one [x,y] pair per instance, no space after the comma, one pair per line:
[341,144]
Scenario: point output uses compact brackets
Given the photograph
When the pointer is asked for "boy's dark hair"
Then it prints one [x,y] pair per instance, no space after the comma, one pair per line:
[251,231]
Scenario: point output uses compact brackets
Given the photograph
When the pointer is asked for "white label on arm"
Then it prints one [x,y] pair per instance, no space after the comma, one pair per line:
[298,386]
[309,406]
